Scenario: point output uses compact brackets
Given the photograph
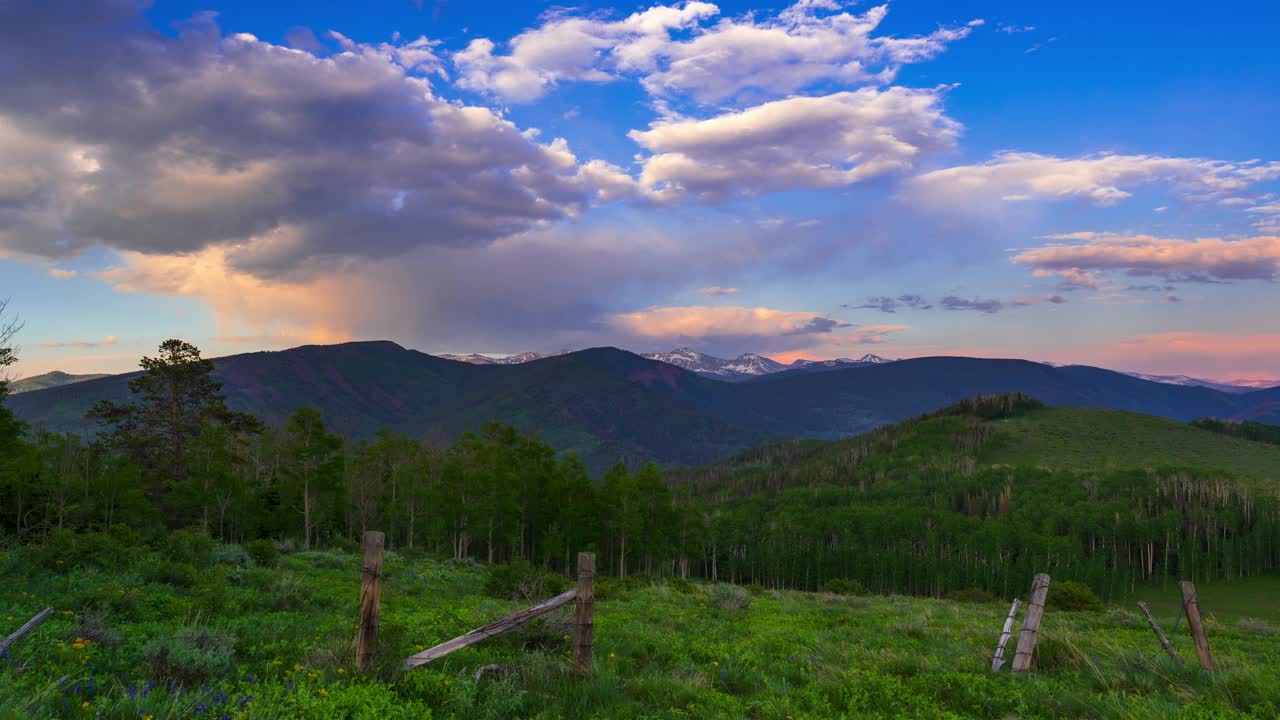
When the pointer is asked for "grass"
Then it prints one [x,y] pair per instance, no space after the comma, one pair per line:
[1095,440]
[661,651]
[1234,601]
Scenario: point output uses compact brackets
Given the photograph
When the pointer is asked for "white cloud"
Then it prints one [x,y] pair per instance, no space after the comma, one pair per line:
[800,142]
[716,290]
[673,53]
[1214,259]
[1103,179]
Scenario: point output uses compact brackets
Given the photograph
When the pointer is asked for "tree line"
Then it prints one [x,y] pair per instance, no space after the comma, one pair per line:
[904,509]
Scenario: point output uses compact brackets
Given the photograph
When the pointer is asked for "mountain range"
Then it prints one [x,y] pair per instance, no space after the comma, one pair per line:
[48,380]
[608,404]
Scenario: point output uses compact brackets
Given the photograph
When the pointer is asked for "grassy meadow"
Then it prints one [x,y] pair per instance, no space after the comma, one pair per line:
[272,638]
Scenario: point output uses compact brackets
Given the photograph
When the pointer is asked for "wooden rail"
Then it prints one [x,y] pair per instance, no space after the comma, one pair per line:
[1031,624]
[1164,641]
[997,662]
[26,628]
[488,631]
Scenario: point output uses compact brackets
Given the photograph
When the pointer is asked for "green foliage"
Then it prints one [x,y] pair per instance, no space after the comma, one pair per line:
[973,595]
[1248,430]
[263,551]
[523,581]
[729,598]
[1072,596]
[192,547]
[177,574]
[844,586]
[191,656]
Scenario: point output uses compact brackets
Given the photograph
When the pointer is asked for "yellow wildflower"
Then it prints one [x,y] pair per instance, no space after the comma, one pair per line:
[84,704]
[311,675]
[298,667]
[715,664]
[323,693]
[341,670]
[61,563]
[277,663]
[66,612]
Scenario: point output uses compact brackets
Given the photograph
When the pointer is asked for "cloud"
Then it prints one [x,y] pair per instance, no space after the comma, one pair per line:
[676,323]
[54,344]
[1203,260]
[990,307]
[143,142]
[1102,179]
[801,142]
[873,334]
[61,273]
[1200,354]
[673,51]
[716,290]
[892,305]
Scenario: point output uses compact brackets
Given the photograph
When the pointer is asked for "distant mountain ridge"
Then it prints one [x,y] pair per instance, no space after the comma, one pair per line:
[608,404]
[48,380]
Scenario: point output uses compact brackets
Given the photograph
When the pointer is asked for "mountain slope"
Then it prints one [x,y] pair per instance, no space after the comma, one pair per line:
[49,380]
[608,404]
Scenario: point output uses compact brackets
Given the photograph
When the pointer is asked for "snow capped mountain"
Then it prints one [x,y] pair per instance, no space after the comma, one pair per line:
[477,359]
[1234,386]
[473,358]
[753,364]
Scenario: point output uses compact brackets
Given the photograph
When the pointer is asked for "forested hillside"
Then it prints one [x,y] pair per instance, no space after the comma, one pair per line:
[607,405]
[971,496]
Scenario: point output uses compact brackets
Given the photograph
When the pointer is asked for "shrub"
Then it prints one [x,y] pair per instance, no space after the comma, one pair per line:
[522,580]
[189,546]
[681,585]
[1072,596]
[730,597]
[191,656]
[844,586]
[973,595]
[232,555]
[210,595]
[264,552]
[287,592]
[92,626]
[755,589]
[177,574]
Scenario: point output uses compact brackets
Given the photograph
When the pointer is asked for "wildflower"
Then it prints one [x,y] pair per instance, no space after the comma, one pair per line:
[715,664]
[298,668]
[323,693]
[84,704]
[341,670]
[612,655]
[60,562]
[9,617]
[311,675]
[66,612]
[78,645]
[277,663]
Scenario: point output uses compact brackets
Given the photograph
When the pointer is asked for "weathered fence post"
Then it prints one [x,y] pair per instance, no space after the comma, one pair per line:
[1191,606]
[26,628]
[370,599]
[584,612]
[998,661]
[1031,624]
[1164,641]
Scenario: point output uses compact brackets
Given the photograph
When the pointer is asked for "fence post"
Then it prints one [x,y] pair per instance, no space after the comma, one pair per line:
[584,612]
[1031,624]
[370,599]
[1164,641]
[997,662]
[1191,606]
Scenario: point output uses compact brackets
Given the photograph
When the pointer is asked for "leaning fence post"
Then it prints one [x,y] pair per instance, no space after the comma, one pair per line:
[26,628]
[1031,624]
[370,599]
[1191,606]
[584,612]
[1164,641]
[998,661]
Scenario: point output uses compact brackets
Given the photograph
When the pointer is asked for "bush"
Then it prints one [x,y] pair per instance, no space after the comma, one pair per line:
[524,581]
[287,592]
[681,585]
[973,595]
[191,657]
[232,555]
[844,586]
[730,597]
[1072,596]
[177,574]
[264,552]
[189,546]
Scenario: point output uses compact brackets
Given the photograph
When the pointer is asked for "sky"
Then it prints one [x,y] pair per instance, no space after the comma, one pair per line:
[1088,182]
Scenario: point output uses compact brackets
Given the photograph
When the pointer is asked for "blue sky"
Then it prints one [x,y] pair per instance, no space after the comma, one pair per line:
[1093,182]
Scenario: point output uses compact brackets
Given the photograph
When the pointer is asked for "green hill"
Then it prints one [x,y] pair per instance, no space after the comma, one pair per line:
[1088,439]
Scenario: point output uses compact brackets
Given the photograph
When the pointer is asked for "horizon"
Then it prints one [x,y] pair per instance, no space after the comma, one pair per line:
[809,180]
[455,357]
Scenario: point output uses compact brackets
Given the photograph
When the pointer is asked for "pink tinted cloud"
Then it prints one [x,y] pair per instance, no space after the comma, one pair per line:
[1255,258]
[1210,355]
